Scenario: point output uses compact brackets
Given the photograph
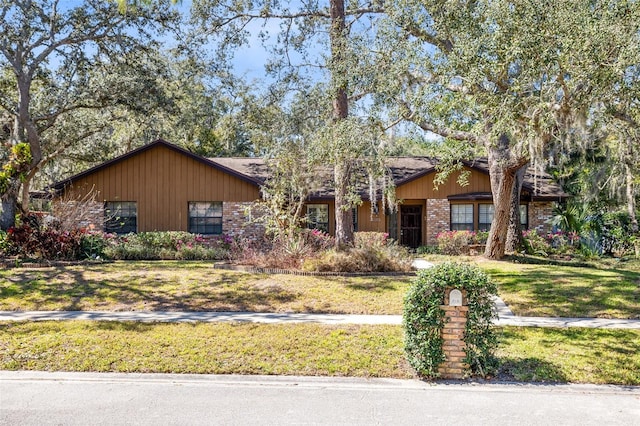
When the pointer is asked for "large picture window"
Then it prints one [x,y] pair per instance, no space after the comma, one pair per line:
[205,217]
[121,217]
[318,217]
[462,217]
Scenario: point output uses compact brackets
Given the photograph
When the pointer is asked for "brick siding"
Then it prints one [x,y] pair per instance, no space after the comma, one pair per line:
[237,219]
[79,214]
[539,215]
[438,219]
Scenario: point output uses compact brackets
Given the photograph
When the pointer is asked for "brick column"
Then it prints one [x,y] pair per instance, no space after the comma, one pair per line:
[437,219]
[455,320]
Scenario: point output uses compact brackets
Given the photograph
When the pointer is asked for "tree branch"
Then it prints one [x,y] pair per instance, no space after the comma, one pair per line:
[460,135]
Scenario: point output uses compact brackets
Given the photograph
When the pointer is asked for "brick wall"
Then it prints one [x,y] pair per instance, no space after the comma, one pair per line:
[437,217]
[79,214]
[237,219]
[539,215]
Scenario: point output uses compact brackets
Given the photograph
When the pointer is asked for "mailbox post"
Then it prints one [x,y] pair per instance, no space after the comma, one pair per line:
[455,320]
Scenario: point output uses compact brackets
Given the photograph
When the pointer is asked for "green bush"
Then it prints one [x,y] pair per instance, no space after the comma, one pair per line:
[170,245]
[428,250]
[454,243]
[535,244]
[423,319]
[92,245]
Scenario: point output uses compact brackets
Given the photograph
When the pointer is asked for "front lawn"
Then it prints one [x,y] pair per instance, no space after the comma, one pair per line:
[525,354]
[566,291]
[604,289]
[193,286]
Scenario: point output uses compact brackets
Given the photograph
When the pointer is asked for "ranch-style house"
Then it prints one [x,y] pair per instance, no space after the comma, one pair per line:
[163,187]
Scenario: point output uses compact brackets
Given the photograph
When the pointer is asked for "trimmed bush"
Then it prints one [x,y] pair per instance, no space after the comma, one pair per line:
[423,319]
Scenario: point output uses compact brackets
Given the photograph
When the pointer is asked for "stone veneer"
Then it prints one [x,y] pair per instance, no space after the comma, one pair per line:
[539,215]
[237,219]
[438,217]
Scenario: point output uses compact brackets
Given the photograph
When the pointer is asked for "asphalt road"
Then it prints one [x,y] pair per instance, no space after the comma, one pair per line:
[36,398]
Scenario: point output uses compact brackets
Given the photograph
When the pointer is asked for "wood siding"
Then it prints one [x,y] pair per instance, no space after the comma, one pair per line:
[417,192]
[162,182]
[368,222]
[422,188]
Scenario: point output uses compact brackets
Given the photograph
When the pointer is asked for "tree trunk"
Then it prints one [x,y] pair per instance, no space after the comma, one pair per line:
[337,35]
[514,233]
[502,171]
[631,199]
[344,219]
[8,210]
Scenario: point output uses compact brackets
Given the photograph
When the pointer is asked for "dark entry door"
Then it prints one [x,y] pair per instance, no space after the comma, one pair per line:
[411,226]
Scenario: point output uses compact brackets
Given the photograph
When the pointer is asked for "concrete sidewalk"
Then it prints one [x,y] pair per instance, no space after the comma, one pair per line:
[505,318]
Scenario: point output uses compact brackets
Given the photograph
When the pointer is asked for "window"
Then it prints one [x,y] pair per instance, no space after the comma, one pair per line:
[120,217]
[354,214]
[485,216]
[318,217]
[462,217]
[524,216]
[205,217]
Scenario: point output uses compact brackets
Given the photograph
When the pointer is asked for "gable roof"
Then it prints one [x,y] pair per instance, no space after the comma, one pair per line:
[59,186]
[539,185]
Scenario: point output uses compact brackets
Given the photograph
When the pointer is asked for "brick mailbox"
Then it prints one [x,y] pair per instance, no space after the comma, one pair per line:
[455,319]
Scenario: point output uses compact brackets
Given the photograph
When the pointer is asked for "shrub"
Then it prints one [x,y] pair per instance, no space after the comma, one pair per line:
[92,245]
[168,245]
[454,243]
[423,319]
[427,250]
[388,258]
[535,244]
[32,240]
[370,239]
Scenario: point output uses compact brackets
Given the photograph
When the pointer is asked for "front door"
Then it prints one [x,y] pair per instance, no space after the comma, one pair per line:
[411,226]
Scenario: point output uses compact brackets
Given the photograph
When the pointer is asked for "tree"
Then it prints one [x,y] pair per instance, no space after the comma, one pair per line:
[304,29]
[59,61]
[515,77]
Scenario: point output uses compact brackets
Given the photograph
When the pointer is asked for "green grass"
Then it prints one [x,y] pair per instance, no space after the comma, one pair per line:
[286,349]
[606,289]
[525,354]
[567,291]
[570,355]
[193,286]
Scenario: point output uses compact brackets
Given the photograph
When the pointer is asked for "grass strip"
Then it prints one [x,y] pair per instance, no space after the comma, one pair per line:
[285,349]
[193,286]
[525,354]
[576,355]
